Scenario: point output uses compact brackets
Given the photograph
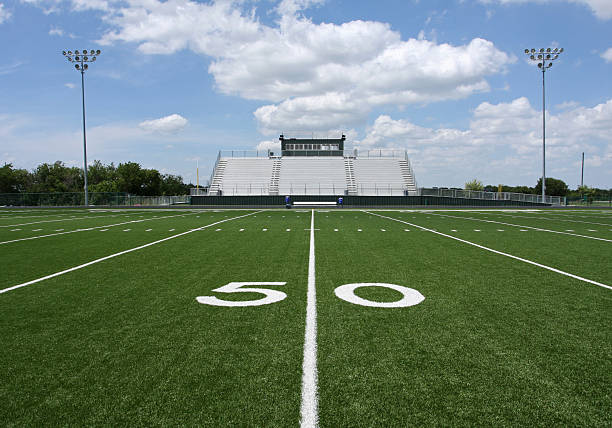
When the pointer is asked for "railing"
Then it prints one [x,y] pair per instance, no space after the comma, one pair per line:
[379,153]
[316,189]
[75,199]
[491,196]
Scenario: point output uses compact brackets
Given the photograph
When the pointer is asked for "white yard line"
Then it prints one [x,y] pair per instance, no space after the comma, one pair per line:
[499,252]
[309,411]
[526,227]
[92,228]
[53,275]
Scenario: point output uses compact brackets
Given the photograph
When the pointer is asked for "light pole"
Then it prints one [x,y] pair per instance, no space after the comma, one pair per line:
[80,60]
[544,57]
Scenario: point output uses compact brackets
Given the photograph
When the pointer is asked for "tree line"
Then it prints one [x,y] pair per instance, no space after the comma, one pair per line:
[554,187]
[128,177]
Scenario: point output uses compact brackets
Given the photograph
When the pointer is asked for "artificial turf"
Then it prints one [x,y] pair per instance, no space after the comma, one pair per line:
[124,341]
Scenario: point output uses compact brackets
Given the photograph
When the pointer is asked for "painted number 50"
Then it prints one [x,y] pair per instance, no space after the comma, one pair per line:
[346,292]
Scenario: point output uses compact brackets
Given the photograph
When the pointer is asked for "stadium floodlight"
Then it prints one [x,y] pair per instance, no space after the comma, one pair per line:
[81,65]
[546,62]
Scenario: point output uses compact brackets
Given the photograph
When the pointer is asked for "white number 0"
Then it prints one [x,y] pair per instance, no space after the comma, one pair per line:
[411,296]
[272,296]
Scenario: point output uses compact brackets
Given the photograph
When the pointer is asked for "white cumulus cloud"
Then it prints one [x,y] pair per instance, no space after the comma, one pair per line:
[503,141]
[315,75]
[169,124]
[4,14]
[607,55]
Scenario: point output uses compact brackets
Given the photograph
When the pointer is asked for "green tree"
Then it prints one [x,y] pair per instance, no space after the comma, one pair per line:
[173,185]
[57,177]
[13,180]
[474,185]
[554,187]
[588,193]
[129,178]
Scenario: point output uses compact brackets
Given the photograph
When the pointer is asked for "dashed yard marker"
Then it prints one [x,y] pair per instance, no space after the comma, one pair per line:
[171,230]
[126,230]
[148,230]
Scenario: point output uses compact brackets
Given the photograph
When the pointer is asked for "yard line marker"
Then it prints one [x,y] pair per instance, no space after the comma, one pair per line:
[453,230]
[335,230]
[126,230]
[526,227]
[288,230]
[218,230]
[309,411]
[15,230]
[241,230]
[569,230]
[359,230]
[103,230]
[171,230]
[264,230]
[148,230]
[406,230]
[382,230]
[36,230]
[500,230]
[591,230]
[53,275]
[476,230]
[59,230]
[571,275]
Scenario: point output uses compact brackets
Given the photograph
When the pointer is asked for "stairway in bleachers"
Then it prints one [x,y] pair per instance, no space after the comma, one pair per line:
[215,183]
[351,187]
[276,166]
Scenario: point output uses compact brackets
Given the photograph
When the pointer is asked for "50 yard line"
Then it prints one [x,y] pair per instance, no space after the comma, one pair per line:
[309,411]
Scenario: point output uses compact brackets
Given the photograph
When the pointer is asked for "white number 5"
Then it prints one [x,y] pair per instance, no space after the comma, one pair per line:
[272,296]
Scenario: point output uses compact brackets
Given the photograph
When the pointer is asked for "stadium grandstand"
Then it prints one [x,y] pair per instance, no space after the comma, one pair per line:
[313,167]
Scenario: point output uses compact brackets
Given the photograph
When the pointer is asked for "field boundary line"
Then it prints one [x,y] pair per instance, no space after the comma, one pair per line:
[53,275]
[571,275]
[93,228]
[526,227]
[309,410]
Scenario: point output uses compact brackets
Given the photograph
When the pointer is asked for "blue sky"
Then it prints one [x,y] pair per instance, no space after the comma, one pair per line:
[178,80]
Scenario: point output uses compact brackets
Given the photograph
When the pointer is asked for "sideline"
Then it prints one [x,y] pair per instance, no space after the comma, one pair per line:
[309,411]
[53,275]
[498,252]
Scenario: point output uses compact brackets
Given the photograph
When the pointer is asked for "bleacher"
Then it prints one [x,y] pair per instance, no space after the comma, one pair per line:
[380,177]
[246,176]
[312,176]
[369,174]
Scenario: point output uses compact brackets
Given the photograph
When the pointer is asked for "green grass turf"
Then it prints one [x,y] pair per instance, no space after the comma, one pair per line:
[124,342]
[496,342]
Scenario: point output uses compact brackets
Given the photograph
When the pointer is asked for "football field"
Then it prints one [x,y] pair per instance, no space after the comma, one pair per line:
[321,317]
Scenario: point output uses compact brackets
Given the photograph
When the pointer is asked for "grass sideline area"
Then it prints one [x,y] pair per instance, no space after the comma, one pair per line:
[103,327]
